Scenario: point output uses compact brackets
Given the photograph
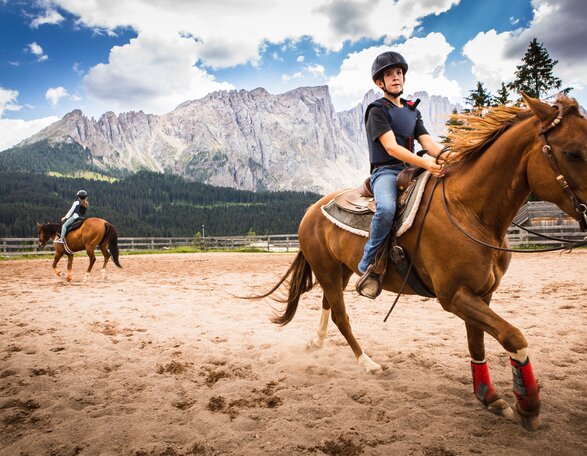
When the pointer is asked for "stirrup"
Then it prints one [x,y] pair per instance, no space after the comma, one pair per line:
[369,276]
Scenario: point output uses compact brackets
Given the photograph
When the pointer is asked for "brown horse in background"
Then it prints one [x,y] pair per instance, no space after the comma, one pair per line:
[93,232]
[496,162]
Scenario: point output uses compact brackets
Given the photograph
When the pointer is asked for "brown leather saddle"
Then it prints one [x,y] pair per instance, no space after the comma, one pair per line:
[360,200]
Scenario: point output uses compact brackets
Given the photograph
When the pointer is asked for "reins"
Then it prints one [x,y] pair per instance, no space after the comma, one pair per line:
[579,207]
[413,257]
[570,245]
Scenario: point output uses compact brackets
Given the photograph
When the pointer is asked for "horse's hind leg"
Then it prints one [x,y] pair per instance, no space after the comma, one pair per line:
[92,257]
[483,388]
[318,341]
[332,282]
[106,255]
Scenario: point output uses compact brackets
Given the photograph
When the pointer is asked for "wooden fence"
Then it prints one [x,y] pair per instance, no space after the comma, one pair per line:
[272,243]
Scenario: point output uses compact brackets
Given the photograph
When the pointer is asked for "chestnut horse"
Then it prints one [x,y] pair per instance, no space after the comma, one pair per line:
[94,231]
[496,162]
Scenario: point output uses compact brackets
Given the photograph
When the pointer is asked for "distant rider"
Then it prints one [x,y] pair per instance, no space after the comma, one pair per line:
[77,210]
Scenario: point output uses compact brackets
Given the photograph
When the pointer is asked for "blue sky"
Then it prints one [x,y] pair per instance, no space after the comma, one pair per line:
[151,55]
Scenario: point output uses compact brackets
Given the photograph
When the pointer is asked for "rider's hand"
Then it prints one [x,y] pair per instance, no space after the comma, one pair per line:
[437,170]
[63,219]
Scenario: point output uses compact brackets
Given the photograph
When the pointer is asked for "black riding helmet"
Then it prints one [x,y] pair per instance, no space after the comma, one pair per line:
[82,194]
[387,60]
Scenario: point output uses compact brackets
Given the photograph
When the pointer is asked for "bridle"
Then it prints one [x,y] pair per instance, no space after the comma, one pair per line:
[581,208]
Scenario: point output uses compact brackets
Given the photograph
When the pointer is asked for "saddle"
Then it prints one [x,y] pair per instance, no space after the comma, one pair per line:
[75,225]
[352,210]
[360,200]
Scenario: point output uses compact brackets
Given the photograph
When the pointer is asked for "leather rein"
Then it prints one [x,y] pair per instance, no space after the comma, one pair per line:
[581,208]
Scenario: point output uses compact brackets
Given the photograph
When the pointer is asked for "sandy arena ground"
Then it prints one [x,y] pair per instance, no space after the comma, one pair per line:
[163,359]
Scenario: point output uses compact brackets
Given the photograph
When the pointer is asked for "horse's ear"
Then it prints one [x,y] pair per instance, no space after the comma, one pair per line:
[543,111]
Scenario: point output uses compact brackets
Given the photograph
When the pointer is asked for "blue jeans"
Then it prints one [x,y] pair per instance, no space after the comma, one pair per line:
[66,225]
[384,186]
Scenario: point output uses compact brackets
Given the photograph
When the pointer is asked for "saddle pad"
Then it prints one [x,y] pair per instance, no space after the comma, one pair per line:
[360,223]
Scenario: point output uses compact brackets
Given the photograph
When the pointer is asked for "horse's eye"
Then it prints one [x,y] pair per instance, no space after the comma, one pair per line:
[573,155]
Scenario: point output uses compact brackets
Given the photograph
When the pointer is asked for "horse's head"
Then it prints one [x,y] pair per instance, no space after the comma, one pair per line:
[558,171]
[46,231]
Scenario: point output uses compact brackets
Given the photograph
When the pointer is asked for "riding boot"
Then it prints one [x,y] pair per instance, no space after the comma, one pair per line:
[369,285]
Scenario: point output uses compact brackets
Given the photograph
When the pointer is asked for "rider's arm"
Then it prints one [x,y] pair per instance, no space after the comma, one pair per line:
[401,153]
[71,210]
[431,146]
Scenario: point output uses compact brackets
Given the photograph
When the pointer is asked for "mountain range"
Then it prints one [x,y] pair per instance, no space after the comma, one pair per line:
[250,140]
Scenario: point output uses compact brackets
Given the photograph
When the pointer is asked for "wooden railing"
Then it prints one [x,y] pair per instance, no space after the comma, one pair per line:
[272,243]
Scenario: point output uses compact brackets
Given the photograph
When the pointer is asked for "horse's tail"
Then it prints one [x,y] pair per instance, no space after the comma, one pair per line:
[300,281]
[111,235]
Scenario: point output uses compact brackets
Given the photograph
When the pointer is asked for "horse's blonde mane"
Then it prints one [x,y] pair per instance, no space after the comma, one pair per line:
[477,132]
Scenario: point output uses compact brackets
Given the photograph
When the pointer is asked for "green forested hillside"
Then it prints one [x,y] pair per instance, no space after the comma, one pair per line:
[148,204]
[44,157]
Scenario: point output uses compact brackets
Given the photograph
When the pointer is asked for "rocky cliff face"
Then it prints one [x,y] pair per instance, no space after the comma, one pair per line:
[244,139]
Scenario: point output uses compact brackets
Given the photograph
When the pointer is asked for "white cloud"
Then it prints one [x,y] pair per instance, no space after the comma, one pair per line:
[426,59]
[487,52]
[241,29]
[560,26]
[50,17]
[300,58]
[151,74]
[315,70]
[290,77]
[54,94]
[37,50]
[8,100]
[12,131]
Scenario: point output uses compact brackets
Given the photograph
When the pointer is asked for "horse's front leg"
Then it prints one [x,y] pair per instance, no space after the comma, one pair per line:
[69,268]
[483,388]
[56,258]
[92,257]
[475,312]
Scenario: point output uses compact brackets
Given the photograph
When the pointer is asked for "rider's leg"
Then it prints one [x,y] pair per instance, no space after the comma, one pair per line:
[384,185]
[64,228]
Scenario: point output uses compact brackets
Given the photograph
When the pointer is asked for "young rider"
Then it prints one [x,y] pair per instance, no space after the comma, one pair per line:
[392,123]
[77,210]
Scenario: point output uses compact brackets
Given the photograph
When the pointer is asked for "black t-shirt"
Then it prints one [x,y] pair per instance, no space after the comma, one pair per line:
[378,123]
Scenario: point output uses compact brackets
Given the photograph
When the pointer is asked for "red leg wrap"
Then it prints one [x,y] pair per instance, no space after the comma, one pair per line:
[525,386]
[482,386]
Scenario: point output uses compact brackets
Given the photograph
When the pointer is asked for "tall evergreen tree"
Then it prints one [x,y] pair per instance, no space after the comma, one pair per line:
[502,97]
[478,97]
[535,75]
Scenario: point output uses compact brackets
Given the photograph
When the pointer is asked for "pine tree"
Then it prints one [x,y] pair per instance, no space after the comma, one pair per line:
[534,76]
[478,97]
[453,124]
[502,97]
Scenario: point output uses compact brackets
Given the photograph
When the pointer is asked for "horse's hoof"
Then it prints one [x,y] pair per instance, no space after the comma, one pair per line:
[315,344]
[501,408]
[370,366]
[530,422]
